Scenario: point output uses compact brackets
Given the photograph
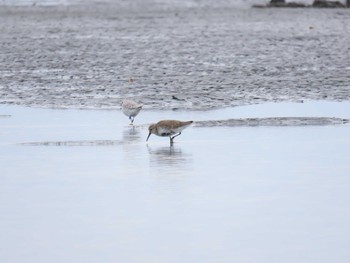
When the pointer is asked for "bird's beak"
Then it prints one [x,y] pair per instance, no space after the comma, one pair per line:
[148,136]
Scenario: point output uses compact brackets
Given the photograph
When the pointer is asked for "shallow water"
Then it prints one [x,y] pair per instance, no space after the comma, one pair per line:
[244,194]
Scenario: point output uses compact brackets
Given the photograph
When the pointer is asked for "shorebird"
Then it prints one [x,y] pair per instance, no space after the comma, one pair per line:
[168,128]
[130,108]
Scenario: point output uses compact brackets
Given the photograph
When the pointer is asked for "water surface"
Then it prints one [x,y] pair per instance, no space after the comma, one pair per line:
[243,194]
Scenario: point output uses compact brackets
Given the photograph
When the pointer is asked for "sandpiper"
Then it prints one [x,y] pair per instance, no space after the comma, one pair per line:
[168,128]
[131,109]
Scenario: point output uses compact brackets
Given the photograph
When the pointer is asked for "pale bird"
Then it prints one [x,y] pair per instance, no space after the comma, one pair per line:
[130,108]
[168,128]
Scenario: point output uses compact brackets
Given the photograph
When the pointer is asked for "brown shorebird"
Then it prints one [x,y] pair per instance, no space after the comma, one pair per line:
[168,128]
[130,108]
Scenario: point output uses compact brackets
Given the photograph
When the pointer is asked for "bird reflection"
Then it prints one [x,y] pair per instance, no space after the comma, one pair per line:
[131,134]
[169,159]
[132,150]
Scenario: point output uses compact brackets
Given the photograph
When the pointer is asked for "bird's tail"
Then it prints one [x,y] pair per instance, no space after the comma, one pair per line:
[187,123]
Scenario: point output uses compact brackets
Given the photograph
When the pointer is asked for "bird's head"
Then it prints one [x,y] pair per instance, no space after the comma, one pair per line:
[151,129]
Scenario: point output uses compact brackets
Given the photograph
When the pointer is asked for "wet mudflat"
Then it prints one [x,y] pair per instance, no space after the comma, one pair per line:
[220,194]
[171,54]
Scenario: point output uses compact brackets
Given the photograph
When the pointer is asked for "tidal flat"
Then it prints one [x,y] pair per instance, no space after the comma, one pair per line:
[185,54]
[262,175]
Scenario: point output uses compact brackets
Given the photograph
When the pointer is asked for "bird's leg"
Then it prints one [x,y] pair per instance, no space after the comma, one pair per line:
[132,120]
[172,138]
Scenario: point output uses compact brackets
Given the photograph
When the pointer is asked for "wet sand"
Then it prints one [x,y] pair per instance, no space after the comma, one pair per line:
[220,194]
[193,55]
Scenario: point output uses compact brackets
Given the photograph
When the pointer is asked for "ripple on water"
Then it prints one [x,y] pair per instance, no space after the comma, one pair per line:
[74,143]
